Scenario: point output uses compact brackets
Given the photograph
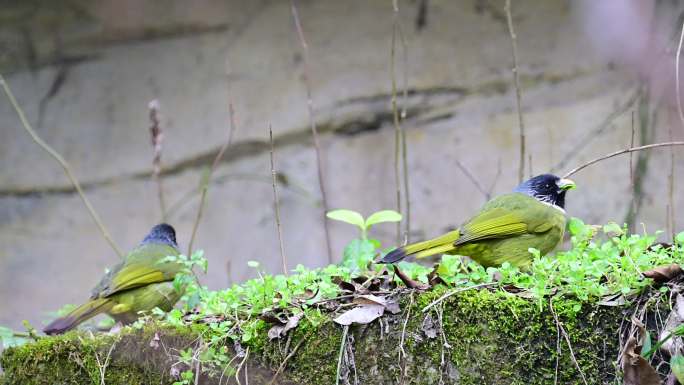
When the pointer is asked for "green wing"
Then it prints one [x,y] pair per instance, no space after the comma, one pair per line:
[141,267]
[509,215]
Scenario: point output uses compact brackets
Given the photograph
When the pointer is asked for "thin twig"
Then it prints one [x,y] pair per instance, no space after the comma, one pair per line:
[625,151]
[529,165]
[632,182]
[445,343]
[312,121]
[157,137]
[681,119]
[518,97]
[282,364]
[206,177]
[597,131]
[567,340]
[400,136]
[102,367]
[339,358]
[277,204]
[473,180]
[679,96]
[455,291]
[242,363]
[395,116]
[197,370]
[402,352]
[62,162]
[670,188]
[558,350]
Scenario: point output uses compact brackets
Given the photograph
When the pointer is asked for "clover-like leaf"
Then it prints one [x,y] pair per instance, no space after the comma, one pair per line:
[348,216]
[382,216]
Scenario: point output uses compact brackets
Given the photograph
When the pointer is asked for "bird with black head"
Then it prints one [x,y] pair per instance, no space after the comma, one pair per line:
[532,216]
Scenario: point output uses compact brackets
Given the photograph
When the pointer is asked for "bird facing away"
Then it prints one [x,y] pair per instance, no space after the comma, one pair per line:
[532,216]
[140,282]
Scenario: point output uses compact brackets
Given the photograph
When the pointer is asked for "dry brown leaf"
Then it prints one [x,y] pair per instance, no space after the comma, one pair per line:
[410,283]
[429,327]
[613,300]
[154,342]
[362,314]
[636,370]
[664,273]
[674,345]
[278,331]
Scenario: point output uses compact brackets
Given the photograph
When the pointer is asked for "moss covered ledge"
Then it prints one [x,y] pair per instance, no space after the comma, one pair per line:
[492,337]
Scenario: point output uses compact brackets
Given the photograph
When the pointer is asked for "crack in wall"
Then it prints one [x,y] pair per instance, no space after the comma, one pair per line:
[366,114]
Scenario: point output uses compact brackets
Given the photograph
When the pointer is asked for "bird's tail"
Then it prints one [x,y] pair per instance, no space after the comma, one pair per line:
[438,245]
[86,311]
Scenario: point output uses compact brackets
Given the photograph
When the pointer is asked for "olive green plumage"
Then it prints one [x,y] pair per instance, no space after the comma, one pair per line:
[505,228]
[140,282]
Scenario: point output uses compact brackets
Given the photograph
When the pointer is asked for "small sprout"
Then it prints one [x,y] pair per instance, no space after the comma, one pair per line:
[356,219]
[612,229]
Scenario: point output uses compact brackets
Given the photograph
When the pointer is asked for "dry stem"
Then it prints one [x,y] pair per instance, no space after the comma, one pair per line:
[242,364]
[206,178]
[473,180]
[339,358]
[402,352]
[287,358]
[312,121]
[276,204]
[567,340]
[518,97]
[62,162]
[157,136]
[400,146]
[632,182]
[625,151]
[395,116]
[455,291]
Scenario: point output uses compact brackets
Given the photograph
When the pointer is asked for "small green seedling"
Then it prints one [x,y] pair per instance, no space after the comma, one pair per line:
[354,218]
[359,253]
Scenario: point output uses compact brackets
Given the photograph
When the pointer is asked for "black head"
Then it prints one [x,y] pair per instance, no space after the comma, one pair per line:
[161,233]
[547,188]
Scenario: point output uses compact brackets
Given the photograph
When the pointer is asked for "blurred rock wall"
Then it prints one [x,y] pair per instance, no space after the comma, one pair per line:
[85,71]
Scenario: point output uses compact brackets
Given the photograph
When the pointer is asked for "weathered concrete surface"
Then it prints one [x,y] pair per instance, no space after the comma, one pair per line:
[461,108]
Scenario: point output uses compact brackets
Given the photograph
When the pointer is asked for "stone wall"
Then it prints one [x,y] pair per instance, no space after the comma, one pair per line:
[85,72]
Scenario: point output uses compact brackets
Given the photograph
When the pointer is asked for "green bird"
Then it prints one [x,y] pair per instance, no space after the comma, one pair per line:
[532,216]
[141,282]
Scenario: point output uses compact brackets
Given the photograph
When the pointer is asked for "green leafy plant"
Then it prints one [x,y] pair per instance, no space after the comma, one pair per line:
[359,253]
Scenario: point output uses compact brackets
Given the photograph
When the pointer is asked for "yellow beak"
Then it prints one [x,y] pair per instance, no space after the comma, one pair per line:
[566,184]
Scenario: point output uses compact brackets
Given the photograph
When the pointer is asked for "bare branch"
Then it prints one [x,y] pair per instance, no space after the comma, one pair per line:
[473,180]
[157,136]
[625,151]
[632,182]
[402,115]
[395,115]
[276,204]
[205,181]
[597,131]
[679,96]
[312,121]
[567,340]
[62,162]
[518,97]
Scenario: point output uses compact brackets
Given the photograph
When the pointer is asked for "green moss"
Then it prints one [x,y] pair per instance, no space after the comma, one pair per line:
[72,358]
[493,337]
